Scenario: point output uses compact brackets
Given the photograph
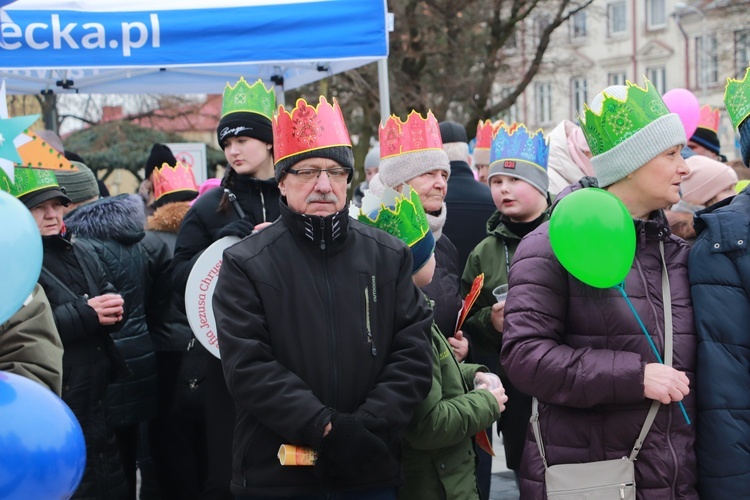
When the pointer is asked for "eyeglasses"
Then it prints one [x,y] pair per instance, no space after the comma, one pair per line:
[339,174]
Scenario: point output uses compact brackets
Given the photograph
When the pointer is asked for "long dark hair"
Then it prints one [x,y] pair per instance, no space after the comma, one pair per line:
[227,183]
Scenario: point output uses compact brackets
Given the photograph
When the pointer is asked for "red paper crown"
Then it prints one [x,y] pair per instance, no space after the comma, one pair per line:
[416,134]
[709,118]
[168,179]
[486,130]
[308,128]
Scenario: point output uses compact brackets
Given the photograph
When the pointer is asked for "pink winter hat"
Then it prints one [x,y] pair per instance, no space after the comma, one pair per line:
[706,179]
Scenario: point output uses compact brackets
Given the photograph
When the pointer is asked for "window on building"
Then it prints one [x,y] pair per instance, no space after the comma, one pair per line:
[741,52]
[540,24]
[656,14]
[543,99]
[658,76]
[578,25]
[617,21]
[616,78]
[579,94]
[707,60]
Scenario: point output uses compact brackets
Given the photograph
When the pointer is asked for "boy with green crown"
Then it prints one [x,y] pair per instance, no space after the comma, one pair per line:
[444,423]
[518,180]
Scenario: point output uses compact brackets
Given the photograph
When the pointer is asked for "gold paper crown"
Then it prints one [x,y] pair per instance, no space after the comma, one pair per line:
[737,99]
[169,179]
[398,214]
[244,98]
[620,119]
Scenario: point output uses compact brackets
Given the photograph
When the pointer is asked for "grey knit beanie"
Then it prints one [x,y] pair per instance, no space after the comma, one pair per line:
[79,186]
[372,159]
[396,170]
[639,147]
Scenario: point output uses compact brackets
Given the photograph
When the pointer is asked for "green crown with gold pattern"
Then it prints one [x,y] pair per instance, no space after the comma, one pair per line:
[27,180]
[737,99]
[244,98]
[618,120]
[398,214]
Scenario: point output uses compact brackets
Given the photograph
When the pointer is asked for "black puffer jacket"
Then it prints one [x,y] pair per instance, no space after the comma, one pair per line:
[115,228]
[352,334]
[70,275]
[167,323]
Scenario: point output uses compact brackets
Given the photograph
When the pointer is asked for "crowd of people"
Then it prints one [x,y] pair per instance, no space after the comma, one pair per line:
[337,322]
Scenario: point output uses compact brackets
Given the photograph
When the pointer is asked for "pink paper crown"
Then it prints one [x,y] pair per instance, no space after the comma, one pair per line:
[486,130]
[709,118]
[308,128]
[415,134]
[171,179]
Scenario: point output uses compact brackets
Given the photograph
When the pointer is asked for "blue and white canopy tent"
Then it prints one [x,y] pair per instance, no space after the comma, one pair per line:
[185,46]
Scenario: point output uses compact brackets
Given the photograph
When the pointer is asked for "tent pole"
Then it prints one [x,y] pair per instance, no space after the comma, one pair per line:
[385,93]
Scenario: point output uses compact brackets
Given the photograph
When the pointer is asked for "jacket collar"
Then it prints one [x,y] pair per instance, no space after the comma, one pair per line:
[323,232]
[461,168]
[726,223]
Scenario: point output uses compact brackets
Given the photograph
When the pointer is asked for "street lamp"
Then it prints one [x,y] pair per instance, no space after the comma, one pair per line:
[680,9]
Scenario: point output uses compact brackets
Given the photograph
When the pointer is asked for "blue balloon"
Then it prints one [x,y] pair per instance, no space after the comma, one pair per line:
[20,255]
[42,451]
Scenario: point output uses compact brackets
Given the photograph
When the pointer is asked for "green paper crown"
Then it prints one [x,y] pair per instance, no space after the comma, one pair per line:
[27,180]
[737,99]
[619,120]
[396,214]
[255,98]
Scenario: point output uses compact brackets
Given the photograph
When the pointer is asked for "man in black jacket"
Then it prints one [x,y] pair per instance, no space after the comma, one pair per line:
[469,202]
[324,337]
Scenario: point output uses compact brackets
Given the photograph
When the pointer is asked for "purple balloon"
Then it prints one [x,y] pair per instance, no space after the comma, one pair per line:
[686,106]
[42,451]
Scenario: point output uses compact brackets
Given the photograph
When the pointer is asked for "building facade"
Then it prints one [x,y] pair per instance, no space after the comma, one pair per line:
[693,45]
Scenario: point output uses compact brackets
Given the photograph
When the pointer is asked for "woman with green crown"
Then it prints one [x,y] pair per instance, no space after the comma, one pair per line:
[247,200]
[579,349]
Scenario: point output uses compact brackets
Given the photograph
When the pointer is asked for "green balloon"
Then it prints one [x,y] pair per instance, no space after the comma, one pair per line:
[593,236]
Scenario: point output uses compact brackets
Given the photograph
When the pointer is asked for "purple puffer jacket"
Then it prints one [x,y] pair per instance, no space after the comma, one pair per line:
[581,352]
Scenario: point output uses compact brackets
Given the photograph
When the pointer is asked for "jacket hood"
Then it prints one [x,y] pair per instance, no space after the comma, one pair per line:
[119,218]
[168,218]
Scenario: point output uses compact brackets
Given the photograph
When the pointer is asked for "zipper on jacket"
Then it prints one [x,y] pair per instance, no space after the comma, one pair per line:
[373,349]
[322,234]
[331,320]
[263,205]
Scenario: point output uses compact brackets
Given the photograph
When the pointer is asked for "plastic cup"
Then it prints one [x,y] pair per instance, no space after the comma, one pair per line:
[500,293]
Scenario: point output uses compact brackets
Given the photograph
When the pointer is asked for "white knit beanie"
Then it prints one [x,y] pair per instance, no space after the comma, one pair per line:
[396,170]
[637,149]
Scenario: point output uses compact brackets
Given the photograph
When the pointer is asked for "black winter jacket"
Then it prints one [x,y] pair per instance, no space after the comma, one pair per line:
[71,274]
[314,315]
[114,226]
[444,290]
[259,200]
[470,206]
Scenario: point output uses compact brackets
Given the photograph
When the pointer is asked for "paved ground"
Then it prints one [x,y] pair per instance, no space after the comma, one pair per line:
[503,485]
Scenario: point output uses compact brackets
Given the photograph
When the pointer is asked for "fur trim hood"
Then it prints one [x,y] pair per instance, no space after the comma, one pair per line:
[121,218]
[168,218]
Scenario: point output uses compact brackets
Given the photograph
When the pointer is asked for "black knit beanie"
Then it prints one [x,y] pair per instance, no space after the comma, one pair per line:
[708,139]
[244,124]
[160,154]
[745,142]
[340,154]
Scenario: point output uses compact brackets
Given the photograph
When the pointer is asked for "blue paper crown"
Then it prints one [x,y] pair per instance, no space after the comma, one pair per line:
[515,143]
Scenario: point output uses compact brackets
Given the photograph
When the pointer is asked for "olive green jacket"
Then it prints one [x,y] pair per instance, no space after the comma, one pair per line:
[438,455]
[30,345]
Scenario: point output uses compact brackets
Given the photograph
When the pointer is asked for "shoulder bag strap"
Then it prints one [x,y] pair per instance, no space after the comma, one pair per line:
[668,356]
[60,283]
[666,296]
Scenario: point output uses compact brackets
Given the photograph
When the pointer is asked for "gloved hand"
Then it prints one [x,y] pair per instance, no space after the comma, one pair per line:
[351,446]
[240,228]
